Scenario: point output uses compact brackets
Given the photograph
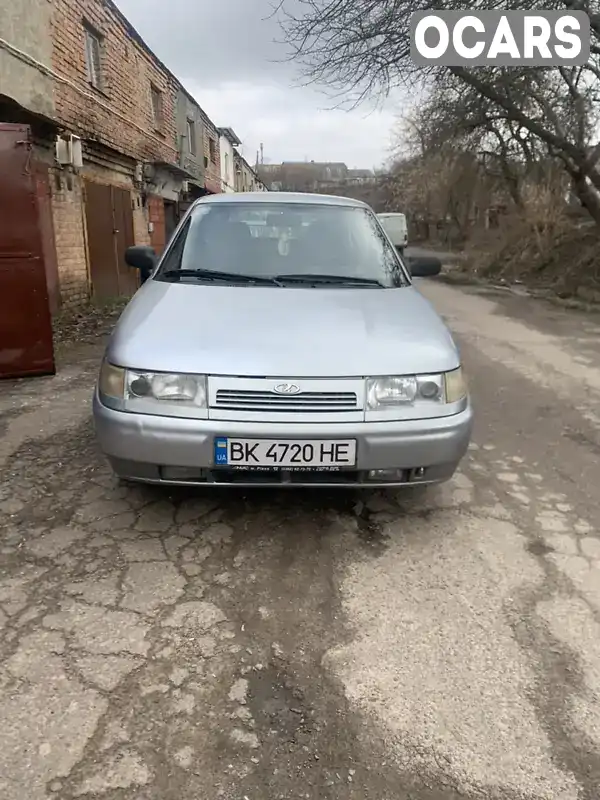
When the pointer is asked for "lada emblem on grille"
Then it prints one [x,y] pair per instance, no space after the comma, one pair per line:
[286,388]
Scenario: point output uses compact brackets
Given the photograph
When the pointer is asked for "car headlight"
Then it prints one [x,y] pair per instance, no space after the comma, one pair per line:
[166,387]
[456,385]
[144,392]
[403,390]
[111,382]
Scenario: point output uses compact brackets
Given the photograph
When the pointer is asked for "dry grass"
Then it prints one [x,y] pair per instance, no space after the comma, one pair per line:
[88,323]
[544,251]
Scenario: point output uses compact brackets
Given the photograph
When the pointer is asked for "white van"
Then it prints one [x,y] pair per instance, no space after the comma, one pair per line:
[396,228]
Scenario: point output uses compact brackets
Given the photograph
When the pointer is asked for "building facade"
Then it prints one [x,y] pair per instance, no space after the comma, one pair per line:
[212,156]
[113,93]
[246,179]
[102,117]
[228,142]
[104,147]
[190,139]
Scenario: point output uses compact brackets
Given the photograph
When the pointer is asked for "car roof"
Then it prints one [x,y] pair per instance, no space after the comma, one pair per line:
[281,197]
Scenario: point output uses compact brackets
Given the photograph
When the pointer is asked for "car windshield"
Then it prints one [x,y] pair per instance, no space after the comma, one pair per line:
[296,243]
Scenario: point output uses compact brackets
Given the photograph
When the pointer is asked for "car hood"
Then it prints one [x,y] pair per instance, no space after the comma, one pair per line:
[281,332]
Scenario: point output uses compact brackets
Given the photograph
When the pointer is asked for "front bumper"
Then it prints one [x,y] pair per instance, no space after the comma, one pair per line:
[175,450]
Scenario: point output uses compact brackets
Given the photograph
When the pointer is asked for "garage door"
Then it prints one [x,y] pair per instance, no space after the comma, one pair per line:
[26,346]
[109,221]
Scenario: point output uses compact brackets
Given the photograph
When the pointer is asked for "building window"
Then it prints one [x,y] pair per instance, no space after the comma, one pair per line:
[157,110]
[205,162]
[212,149]
[93,50]
[227,167]
[191,133]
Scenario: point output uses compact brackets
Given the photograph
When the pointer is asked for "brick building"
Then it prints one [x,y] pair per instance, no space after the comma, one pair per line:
[116,96]
[212,156]
[120,146]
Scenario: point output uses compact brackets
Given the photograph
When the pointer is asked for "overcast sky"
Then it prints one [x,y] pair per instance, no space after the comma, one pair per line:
[223,51]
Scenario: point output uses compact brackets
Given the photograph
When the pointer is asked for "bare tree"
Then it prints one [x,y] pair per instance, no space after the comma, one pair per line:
[454,117]
[361,48]
[446,188]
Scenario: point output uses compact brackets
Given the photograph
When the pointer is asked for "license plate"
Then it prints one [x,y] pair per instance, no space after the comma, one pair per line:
[286,454]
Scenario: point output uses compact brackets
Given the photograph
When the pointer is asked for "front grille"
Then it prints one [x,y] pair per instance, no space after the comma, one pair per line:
[246,400]
[183,475]
[343,477]
[267,477]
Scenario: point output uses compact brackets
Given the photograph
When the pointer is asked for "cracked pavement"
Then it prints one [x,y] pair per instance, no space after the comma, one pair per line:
[429,644]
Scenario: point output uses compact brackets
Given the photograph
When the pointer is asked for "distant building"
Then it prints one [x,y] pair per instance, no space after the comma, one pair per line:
[301,176]
[311,176]
[246,179]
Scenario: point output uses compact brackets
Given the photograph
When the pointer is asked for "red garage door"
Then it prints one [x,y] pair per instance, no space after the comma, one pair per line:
[26,346]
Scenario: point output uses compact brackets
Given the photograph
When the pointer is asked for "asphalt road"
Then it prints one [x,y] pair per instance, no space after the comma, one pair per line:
[431,645]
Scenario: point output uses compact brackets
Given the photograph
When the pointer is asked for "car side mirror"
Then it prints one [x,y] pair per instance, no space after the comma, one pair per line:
[424,266]
[142,257]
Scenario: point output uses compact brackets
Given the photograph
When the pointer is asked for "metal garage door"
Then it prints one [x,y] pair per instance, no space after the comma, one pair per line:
[26,346]
[109,222]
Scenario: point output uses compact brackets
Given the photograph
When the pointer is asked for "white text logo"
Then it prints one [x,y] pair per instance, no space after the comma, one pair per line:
[496,38]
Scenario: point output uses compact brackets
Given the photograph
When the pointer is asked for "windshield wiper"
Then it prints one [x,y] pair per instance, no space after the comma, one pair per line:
[215,275]
[341,280]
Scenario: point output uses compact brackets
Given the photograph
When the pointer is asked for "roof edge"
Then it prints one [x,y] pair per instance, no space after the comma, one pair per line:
[137,37]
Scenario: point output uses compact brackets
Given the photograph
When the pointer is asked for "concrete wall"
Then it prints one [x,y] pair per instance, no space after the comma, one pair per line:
[188,109]
[25,24]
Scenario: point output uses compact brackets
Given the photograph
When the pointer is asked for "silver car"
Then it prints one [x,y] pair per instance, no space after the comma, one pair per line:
[279,340]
